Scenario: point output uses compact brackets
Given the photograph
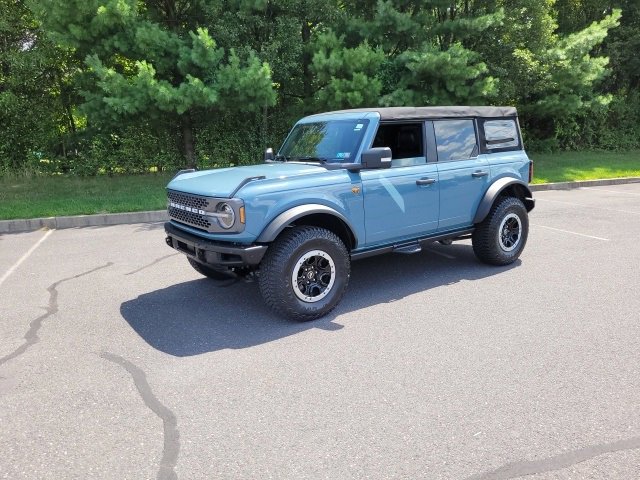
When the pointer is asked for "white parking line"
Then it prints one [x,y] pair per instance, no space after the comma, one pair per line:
[24,257]
[587,206]
[573,233]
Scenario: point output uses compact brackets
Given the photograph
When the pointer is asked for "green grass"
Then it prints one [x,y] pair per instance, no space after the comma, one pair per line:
[33,197]
[573,166]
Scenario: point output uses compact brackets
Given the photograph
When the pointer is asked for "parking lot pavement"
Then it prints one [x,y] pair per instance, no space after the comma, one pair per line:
[117,360]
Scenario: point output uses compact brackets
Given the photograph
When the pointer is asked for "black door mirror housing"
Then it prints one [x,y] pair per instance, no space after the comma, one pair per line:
[379,157]
[268,155]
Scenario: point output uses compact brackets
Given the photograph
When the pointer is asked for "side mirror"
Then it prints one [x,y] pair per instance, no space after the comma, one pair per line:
[268,155]
[376,158]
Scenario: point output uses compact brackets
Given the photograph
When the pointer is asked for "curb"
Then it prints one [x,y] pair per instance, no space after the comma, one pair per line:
[58,223]
[580,184]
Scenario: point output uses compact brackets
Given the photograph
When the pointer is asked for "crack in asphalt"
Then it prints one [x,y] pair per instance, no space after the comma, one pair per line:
[157,260]
[558,462]
[171,447]
[31,337]
[220,283]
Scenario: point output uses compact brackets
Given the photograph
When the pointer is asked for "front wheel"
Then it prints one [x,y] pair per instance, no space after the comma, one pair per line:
[500,238]
[304,273]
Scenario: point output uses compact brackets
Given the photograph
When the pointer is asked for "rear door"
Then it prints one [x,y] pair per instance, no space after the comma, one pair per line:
[463,173]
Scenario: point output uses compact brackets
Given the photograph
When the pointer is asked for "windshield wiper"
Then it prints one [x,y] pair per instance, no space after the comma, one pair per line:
[310,159]
[281,158]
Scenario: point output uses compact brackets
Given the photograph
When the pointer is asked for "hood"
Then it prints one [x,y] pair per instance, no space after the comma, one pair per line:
[224,181]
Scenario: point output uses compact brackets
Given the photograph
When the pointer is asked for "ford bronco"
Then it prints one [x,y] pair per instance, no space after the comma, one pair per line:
[351,184]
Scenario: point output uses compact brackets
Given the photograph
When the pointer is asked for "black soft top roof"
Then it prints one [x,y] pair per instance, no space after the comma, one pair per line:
[403,113]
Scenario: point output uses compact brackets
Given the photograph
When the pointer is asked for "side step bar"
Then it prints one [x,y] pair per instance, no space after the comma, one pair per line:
[408,249]
[413,246]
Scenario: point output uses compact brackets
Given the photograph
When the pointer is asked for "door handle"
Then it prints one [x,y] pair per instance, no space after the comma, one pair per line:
[426,181]
[479,174]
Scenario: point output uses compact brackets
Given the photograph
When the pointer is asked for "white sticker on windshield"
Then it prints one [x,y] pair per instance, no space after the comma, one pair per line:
[358,127]
[343,155]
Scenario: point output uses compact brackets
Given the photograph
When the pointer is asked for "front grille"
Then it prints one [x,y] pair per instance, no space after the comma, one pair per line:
[189,218]
[201,203]
[188,210]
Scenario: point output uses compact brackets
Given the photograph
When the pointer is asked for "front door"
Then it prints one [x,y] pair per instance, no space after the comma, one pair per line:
[401,202]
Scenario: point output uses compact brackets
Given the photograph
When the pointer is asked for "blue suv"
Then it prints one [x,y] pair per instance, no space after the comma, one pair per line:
[351,184]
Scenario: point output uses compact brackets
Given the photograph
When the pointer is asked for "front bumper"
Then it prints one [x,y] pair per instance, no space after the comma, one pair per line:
[216,254]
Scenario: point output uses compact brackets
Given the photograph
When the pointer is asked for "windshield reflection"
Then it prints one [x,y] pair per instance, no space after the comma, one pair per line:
[330,141]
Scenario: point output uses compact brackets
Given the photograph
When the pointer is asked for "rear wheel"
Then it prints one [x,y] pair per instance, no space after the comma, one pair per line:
[305,273]
[210,272]
[500,238]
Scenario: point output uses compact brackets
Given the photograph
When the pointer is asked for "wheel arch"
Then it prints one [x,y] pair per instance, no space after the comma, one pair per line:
[313,215]
[506,186]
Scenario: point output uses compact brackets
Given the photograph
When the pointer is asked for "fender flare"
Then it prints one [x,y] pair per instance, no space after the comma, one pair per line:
[282,221]
[495,190]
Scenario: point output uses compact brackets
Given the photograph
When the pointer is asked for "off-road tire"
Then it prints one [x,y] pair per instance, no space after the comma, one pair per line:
[276,279]
[500,238]
[210,272]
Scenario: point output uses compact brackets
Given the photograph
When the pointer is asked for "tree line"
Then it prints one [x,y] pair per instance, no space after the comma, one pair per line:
[110,86]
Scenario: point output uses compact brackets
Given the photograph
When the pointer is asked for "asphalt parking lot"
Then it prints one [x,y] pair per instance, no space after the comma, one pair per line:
[118,361]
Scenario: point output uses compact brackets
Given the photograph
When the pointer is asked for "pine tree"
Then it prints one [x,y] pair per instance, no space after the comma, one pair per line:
[550,74]
[410,52]
[286,33]
[568,72]
[154,60]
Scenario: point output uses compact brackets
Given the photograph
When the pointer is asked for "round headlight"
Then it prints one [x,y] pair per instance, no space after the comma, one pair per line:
[227,216]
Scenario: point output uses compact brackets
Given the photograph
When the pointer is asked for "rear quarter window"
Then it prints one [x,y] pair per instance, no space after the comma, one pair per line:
[500,134]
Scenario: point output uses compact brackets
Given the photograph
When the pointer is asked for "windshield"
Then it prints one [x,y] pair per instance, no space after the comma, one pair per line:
[331,141]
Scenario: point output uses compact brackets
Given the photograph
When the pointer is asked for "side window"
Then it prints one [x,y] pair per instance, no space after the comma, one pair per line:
[455,139]
[500,134]
[405,141]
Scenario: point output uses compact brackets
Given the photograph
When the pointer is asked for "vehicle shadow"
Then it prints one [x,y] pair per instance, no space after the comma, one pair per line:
[203,315]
